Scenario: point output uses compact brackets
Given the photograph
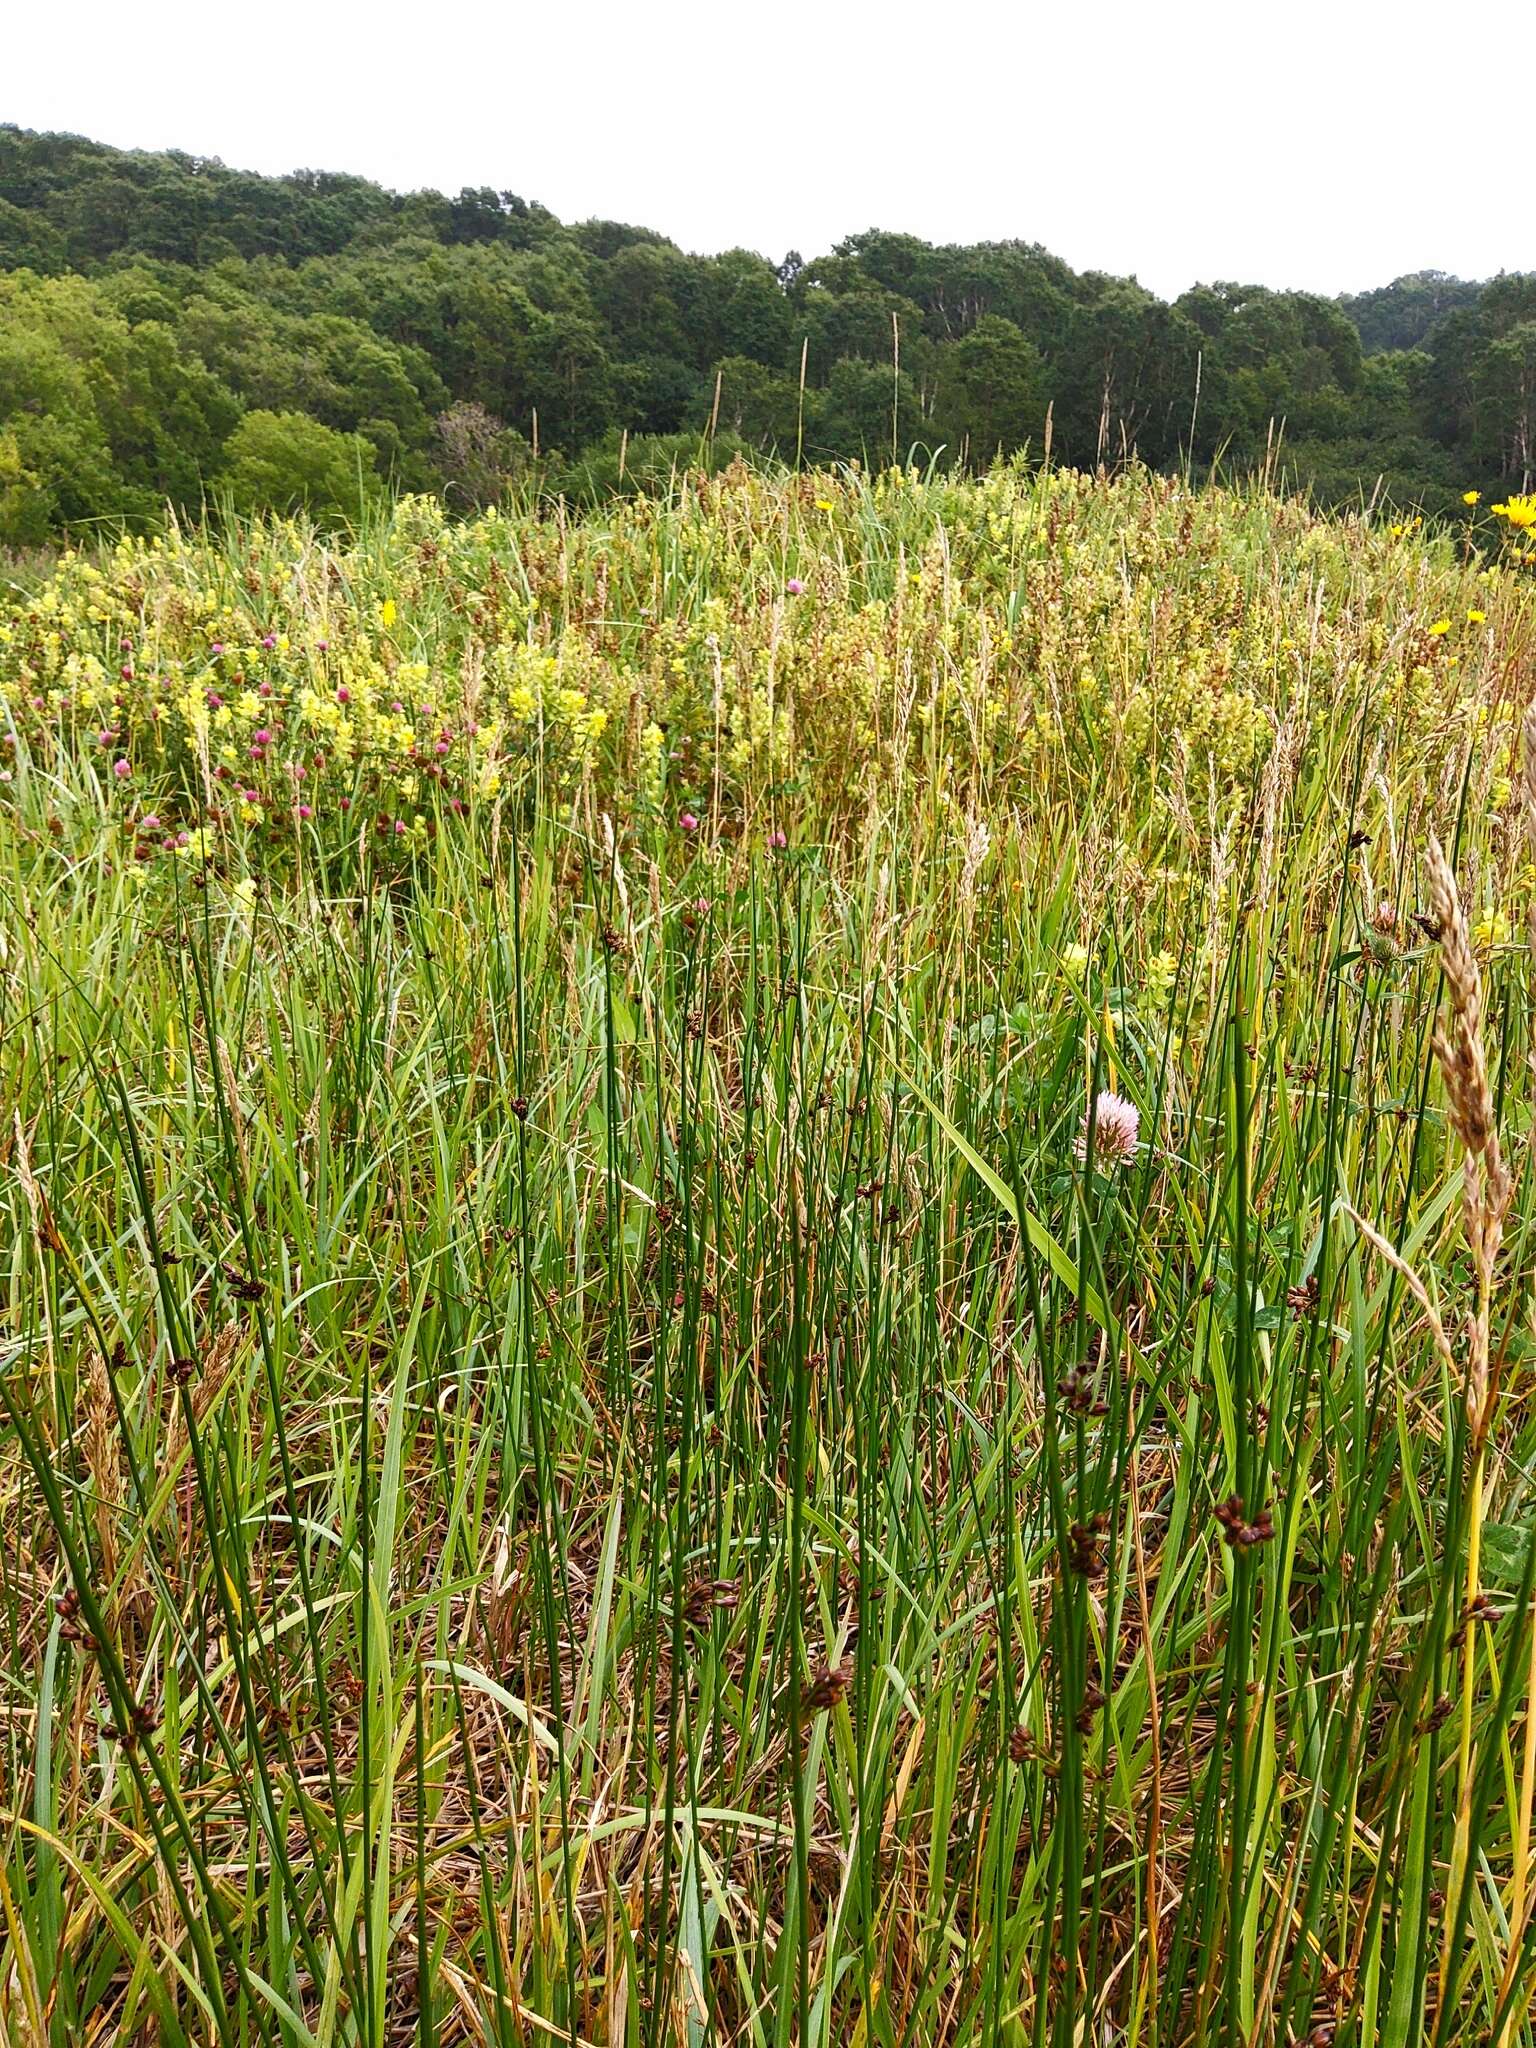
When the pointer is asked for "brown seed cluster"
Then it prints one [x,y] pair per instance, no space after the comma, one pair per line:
[706,1597]
[1075,1391]
[1085,1546]
[825,1688]
[1237,1530]
[1087,1713]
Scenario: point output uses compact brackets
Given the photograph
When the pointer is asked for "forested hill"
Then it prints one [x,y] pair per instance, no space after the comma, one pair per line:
[171,329]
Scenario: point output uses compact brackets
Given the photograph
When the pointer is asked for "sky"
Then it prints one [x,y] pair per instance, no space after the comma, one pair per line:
[1323,145]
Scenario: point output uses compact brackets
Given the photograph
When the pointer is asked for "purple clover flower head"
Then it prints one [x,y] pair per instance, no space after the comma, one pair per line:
[1115,1125]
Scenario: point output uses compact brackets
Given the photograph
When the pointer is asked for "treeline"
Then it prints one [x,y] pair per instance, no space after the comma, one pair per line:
[173,330]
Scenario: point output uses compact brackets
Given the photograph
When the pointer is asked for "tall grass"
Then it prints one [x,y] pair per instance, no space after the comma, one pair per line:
[588,1456]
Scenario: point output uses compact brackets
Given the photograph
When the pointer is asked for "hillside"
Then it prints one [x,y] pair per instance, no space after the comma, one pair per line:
[171,328]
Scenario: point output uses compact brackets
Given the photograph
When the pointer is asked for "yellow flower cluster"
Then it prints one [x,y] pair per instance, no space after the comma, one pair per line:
[1003,636]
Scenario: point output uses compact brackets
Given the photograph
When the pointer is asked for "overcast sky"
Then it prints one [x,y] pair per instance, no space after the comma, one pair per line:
[1323,143]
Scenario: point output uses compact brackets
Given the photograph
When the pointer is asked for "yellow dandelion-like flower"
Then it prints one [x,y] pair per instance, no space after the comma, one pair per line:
[1439,629]
[1477,618]
[1471,497]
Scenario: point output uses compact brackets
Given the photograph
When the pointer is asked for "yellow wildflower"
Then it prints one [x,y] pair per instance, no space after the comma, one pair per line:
[1161,970]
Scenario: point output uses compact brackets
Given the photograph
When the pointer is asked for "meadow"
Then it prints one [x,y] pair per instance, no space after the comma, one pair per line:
[768,1273]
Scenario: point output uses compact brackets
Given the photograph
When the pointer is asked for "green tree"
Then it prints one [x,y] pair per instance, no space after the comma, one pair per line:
[1125,382]
[1506,403]
[105,420]
[29,241]
[866,413]
[991,385]
[758,405]
[1405,313]
[285,462]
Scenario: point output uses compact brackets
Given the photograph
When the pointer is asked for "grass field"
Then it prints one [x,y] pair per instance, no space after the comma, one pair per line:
[596,1442]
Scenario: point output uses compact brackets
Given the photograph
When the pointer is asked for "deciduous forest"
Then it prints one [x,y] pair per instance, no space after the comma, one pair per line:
[176,332]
